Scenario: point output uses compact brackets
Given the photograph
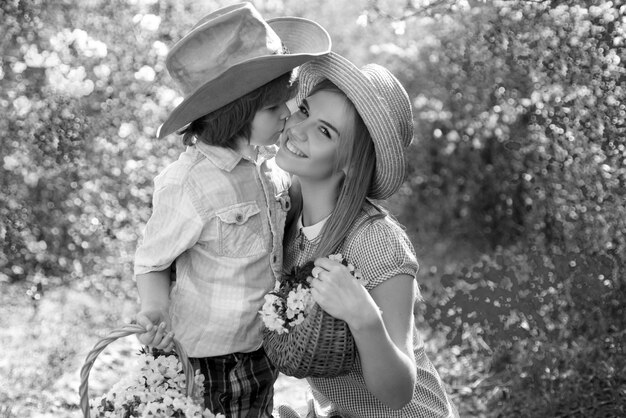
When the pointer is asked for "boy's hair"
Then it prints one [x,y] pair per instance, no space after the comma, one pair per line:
[233,120]
[357,155]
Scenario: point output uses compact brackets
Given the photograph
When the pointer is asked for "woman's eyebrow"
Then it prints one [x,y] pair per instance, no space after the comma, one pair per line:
[306,105]
[330,126]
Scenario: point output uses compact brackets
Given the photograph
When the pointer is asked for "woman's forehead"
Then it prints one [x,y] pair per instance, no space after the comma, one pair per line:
[330,105]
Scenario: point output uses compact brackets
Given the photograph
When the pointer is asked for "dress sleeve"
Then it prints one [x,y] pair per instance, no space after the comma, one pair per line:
[173,227]
[381,250]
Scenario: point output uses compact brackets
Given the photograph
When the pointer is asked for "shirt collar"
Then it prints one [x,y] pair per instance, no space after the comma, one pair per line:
[313,231]
[226,158]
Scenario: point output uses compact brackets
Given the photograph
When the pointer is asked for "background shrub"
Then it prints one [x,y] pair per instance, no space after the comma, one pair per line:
[515,196]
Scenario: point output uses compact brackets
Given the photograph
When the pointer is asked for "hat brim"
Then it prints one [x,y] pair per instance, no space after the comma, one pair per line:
[303,38]
[373,109]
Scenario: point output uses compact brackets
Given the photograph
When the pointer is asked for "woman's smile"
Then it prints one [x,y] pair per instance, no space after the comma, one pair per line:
[292,148]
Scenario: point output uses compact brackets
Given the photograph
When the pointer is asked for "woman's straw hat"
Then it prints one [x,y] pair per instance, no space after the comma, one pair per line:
[382,103]
[233,51]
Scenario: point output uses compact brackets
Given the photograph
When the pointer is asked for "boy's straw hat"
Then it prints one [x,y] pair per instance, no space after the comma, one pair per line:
[231,52]
[382,103]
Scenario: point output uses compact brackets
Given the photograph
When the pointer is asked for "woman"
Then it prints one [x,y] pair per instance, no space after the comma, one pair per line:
[346,145]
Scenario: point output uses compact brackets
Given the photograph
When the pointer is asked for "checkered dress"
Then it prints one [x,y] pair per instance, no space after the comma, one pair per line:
[380,250]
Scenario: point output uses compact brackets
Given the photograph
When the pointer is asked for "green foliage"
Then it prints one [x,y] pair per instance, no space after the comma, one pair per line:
[521,125]
[520,145]
[520,150]
[84,89]
[523,293]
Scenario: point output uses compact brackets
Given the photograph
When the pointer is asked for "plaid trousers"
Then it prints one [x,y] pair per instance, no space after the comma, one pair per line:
[238,385]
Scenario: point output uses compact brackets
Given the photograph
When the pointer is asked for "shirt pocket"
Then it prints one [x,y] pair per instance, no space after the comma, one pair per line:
[240,230]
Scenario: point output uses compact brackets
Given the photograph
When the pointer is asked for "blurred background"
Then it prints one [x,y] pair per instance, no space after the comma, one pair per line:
[515,198]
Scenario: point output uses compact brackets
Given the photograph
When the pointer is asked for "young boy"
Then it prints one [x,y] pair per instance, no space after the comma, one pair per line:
[219,210]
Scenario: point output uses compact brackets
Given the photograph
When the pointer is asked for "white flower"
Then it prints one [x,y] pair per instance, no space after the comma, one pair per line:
[70,81]
[22,106]
[336,257]
[291,301]
[157,388]
[145,73]
[160,48]
[150,22]
[102,71]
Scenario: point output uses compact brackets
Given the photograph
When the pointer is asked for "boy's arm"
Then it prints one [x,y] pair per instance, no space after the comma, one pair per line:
[154,290]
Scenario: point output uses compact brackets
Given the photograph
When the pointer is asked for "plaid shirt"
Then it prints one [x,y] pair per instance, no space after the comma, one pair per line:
[380,250]
[220,217]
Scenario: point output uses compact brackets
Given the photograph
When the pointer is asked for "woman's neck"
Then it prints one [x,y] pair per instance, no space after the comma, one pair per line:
[318,199]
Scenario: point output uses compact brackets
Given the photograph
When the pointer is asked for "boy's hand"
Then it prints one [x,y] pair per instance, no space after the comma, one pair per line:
[158,329]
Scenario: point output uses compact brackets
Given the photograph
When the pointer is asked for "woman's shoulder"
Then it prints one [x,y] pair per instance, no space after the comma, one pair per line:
[382,236]
[376,222]
[380,247]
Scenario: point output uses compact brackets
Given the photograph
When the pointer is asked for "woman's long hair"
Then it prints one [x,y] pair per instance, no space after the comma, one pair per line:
[357,157]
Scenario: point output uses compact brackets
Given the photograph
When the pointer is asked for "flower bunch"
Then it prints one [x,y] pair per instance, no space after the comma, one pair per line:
[291,301]
[154,388]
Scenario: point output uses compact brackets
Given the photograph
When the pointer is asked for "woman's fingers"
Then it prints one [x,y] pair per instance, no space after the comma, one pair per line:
[316,271]
[326,263]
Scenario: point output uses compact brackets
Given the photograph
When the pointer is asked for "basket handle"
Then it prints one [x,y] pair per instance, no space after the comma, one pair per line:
[124,331]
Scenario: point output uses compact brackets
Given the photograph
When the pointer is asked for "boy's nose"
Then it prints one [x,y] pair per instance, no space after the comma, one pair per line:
[292,105]
[284,111]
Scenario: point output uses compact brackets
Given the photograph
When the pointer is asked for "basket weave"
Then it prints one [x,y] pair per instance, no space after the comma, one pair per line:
[320,346]
[125,331]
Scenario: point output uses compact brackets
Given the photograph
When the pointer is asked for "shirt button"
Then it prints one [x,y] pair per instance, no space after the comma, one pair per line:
[239,217]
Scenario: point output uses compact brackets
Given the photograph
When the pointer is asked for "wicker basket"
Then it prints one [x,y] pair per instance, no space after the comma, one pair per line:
[125,331]
[321,346]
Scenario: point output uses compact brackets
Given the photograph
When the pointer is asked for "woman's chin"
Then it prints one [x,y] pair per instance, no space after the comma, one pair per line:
[284,161]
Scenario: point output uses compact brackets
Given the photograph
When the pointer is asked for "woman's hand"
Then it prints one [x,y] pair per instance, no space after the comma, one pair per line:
[341,295]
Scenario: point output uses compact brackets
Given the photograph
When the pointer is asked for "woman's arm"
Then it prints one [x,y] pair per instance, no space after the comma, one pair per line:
[384,339]
[387,354]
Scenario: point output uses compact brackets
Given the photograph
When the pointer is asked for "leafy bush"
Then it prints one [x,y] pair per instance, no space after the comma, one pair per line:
[519,150]
[521,125]
[553,324]
[523,293]
[520,144]
[83,100]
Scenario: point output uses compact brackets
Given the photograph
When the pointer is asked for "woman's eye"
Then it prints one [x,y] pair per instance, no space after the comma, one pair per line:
[325,132]
[303,110]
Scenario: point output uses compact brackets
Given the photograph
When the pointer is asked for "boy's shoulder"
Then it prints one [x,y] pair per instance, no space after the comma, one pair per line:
[178,171]
[202,157]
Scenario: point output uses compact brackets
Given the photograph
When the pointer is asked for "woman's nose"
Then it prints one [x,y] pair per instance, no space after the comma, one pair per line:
[296,121]
[296,127]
